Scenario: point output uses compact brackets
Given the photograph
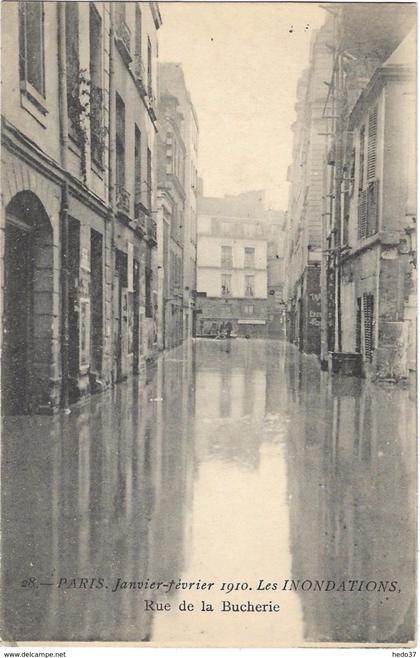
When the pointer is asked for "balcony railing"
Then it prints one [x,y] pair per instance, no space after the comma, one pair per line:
[140,74]
[123,39]
[152,103]
[140,213]
[122,199]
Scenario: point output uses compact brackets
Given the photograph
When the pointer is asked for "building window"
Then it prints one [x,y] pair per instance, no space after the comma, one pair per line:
[249,261]
[148,285]
[97,133]
[73,68]
[249,309]
[359,325]
[226,257]
[149,179]
[120,142]
[226,287]
[225,228]
[372,134]
[31,45]
[149,69]
[248,230]
[368,219]
[362,158]
[138,33]
[137,169]
[249,286]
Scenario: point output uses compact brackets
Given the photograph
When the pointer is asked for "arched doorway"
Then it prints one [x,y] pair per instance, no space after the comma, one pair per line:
[28,311]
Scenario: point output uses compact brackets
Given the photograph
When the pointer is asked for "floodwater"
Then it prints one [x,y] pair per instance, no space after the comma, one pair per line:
[235,465]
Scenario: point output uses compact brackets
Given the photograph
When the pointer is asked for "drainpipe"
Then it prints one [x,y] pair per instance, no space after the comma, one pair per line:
[111,172]
[339,156]
[64,220]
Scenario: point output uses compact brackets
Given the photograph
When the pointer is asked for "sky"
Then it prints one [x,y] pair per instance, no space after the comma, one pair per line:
[242,62]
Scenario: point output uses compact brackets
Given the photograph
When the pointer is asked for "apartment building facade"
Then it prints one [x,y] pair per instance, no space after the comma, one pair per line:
[231,267]
[172,82]
[171,219]
[77,230]
[302,256]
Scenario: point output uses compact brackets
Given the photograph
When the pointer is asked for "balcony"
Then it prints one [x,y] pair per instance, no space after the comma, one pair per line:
[140,212]
[152,104]
[123,40]
[122,200]
[140,74]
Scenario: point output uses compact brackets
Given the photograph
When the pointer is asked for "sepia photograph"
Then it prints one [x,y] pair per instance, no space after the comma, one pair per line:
[209,345]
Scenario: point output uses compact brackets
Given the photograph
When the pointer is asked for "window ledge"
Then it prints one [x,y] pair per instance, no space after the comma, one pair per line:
[34,96]
[31,104]
[98,169]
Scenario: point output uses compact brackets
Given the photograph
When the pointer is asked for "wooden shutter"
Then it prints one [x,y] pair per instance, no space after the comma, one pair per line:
[372,139]
[368,309]
[372,208]
[361,158]
[362,215]
[359,325]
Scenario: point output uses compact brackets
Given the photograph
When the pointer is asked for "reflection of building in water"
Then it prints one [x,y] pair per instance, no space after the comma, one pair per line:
[175,466]
[352,487]
[108,498]
[230,416]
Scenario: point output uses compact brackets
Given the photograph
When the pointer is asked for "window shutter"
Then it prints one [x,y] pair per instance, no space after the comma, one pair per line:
[362,158]
[373,121]
[368,306]
[362,215]
[372,208]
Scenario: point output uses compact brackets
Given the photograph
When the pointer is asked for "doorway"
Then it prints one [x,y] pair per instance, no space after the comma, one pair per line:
[27,315]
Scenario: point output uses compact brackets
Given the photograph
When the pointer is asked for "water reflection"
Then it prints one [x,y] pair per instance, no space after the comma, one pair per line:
[234,461]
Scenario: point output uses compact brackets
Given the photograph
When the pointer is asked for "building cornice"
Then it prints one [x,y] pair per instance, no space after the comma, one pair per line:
[380,78]
[23,147]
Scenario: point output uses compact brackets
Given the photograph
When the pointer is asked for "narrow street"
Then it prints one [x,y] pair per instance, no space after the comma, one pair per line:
[235,461]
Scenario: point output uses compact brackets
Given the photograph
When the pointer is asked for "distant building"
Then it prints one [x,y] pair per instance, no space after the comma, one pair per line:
[232,266]
[275,222]
[171,199]
[172,83]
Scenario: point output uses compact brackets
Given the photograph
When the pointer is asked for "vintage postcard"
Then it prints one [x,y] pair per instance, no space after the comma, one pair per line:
[208,307]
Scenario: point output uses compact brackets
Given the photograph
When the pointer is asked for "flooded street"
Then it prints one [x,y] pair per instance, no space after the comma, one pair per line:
[235,462]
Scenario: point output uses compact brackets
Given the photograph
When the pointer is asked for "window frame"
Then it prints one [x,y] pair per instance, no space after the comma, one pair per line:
[37,97]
